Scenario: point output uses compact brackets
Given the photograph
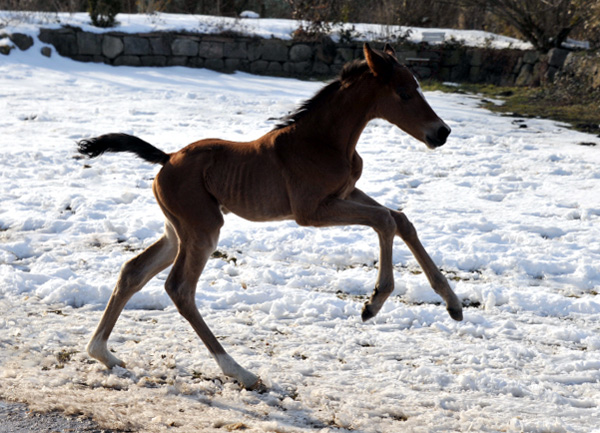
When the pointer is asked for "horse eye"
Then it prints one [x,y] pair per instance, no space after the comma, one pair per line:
[401,91]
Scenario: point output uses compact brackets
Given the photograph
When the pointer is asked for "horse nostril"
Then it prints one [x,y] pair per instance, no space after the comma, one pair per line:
[443,133]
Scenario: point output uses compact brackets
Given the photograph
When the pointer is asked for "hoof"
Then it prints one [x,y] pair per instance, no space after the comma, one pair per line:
[367,312]
[258,386]
[456,313]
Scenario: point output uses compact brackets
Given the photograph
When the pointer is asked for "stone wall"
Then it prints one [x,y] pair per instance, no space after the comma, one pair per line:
[323,59]
[581,70]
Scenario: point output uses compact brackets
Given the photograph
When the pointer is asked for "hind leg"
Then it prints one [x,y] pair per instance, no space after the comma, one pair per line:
[198,243]
[134,275]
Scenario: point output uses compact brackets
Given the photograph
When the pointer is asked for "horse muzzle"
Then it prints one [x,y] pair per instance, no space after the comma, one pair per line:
[438,137]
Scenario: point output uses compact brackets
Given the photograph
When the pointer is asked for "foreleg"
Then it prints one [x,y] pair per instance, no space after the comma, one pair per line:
[406,230]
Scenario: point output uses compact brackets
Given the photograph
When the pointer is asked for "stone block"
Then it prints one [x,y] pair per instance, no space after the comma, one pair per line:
[275,68]
[214,64]
[259,66]
[300,68]
[83,58]
[153,60]
[64,41]
[422,72]
[89,43]
[195,62]
[184,47]
[320,68]
[112,46]
[300,53]
[127,60]
[273,50]
[525,77]
[336,68]
[233,64]
[177,61]
[22,41]
[235,50]
[557,56]
[136,46]
[476,58]
[474,74]
[344,55]
[326,51]
[160,46]
[46,51]
[551,73]
[445,73]
[518,66]
[531,57]
[211,50]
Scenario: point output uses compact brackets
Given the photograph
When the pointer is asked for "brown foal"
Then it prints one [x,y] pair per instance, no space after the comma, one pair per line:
[305,169]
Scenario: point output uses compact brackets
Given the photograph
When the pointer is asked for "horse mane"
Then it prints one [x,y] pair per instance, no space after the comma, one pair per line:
[349,74]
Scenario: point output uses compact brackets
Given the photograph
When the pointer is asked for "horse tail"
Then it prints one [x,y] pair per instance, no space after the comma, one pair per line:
[122,143]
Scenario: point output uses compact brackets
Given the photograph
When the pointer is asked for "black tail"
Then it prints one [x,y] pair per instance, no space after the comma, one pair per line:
[122,143]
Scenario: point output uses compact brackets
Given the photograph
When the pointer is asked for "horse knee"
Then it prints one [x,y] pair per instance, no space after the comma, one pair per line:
[388,225]
[404,228]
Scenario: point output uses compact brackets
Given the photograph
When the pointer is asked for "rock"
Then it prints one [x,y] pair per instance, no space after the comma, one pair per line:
[557,56]
[46,51]
[177,61]
[160,46]
[344,55]
[531,57]
[64,40]
[235,50]
[273,50]
[127,60]
[136,46]
[153,60]
[475,55]
[300,53]
[525,77]
[320,68]
[184,47]
[22,41]
[112,46]
[259,66]
[274,68]
[214,64]
[211,50]
[300,68]
[326,51]
[89,43]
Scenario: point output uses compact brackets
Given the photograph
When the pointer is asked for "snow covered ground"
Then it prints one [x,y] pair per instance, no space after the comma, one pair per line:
[508,208]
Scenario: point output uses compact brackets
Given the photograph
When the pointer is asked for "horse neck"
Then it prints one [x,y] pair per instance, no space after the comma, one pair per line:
[340,121]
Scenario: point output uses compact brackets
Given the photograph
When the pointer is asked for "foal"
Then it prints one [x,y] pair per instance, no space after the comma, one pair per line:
[305,169]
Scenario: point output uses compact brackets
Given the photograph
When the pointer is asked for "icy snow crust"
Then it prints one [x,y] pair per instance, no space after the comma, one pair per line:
[511,214]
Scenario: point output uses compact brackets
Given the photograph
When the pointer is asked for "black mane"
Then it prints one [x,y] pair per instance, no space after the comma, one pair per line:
[350,72]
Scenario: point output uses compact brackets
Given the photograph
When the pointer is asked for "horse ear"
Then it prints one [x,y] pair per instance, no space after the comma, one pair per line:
[378,65]
[389,49]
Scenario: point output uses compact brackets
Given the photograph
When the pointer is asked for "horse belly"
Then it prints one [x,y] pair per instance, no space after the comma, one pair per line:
[256,194]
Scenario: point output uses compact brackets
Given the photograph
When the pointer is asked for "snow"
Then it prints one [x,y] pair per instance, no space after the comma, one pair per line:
[248,24]
[510,213]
